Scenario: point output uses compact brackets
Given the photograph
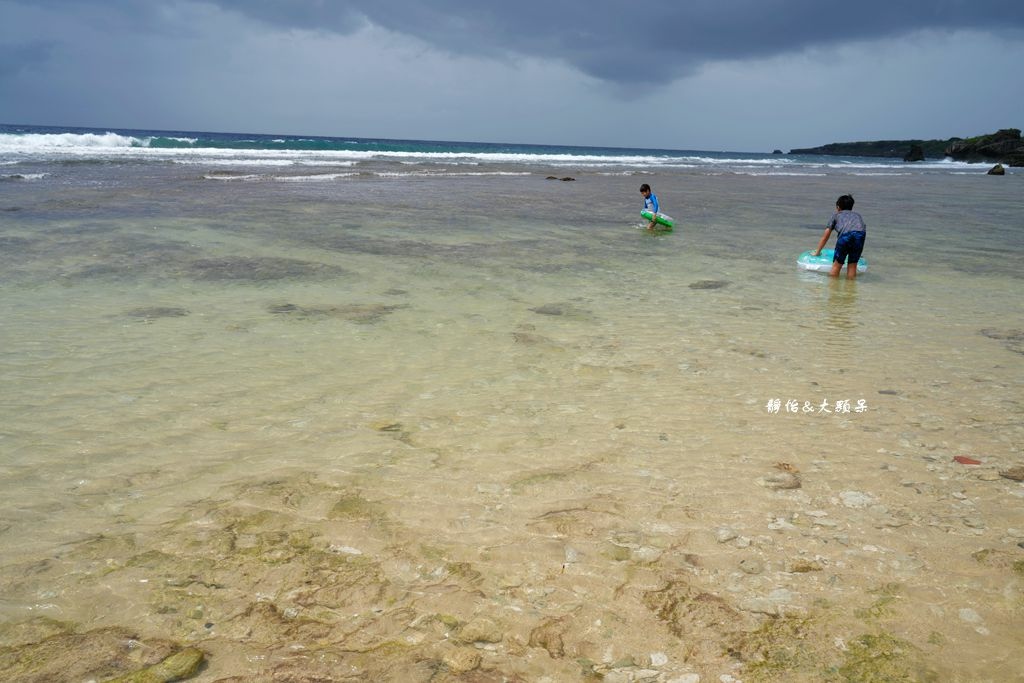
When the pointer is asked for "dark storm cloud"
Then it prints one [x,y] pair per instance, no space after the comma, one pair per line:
[613,40]
[15,58]
[648,41]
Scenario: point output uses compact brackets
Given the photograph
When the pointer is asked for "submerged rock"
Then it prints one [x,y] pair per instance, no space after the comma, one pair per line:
[781,481]
[1012,339]
[101,654]
[1014,473]
[549,636]
[357,313]
[154,312]
[529,338]
[177,667]
[480,630]
[551,309]
[257,269]
[564,309]
[883,657]
[751,565]
[709,284]
[856,499]
[460,660]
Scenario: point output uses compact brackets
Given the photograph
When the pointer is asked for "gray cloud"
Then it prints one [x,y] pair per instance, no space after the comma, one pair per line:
[16,58]
[615,41]
[728,74]
[648,42]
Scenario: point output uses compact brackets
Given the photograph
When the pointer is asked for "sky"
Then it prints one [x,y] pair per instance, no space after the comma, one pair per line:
[736,75]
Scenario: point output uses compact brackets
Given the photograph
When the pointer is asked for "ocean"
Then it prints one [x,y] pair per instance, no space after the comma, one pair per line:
[329,406]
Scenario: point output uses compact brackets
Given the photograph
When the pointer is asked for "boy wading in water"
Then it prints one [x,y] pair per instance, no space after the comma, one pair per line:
[850,233]
[650,204]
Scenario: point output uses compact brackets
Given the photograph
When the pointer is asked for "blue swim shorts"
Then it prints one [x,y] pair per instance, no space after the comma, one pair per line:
[849,247]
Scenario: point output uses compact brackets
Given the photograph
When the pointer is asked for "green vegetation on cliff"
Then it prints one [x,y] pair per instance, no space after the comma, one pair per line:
[933,149]
[1004,146]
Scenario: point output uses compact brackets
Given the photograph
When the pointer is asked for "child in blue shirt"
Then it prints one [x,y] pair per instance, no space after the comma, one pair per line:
[850,234]
[650,204]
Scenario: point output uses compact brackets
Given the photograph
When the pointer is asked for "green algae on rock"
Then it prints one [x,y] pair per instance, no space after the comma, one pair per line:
[883,657]
[99,654]
[177,667]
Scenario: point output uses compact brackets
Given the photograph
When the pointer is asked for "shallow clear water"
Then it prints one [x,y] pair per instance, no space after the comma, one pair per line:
[473,354]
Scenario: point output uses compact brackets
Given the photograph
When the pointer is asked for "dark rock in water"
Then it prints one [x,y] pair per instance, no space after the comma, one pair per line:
[1014,473]
[153,312]
[889,392]
[357,313]
[257,269]
[1004,335]
[551,177]
[550,309]
[1013,340]
[565,309]
[916,153]
[776,151]
[781,481]
[997,170]
[568,179]
[529,338]
[709,284]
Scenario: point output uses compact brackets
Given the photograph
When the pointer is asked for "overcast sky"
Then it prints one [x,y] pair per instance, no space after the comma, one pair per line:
[741,75]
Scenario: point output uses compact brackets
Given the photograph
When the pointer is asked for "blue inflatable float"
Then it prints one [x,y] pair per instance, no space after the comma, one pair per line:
[823,262]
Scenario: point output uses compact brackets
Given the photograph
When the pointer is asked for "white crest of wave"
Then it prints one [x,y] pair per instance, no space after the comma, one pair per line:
[39,142]
[319,177]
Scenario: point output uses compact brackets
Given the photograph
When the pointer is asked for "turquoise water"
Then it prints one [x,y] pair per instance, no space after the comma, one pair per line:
[471,345]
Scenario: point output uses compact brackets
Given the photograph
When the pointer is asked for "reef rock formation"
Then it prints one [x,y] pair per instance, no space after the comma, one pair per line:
[916,153]
[1004,146]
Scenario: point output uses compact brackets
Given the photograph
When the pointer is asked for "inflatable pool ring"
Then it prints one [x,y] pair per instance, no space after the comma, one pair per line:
[823,262]
[659,218]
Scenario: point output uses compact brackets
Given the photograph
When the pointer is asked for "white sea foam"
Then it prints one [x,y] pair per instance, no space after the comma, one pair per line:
[319,177]
[780,173]
[33,142]
[442,173]
[108,145]
[111,146]
[879,173]
[309,162]
[23,176]
[234,162]
[217,176]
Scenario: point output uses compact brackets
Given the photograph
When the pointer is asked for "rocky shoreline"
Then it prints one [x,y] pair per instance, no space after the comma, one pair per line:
[1002,147]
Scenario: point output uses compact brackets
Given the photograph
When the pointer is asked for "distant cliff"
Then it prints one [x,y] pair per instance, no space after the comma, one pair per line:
[1005,146]
[932,149]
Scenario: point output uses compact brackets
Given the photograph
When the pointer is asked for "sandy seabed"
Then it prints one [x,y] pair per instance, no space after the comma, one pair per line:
[313,455]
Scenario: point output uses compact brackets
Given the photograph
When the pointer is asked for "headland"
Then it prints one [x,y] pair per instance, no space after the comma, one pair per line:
[1004,146]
